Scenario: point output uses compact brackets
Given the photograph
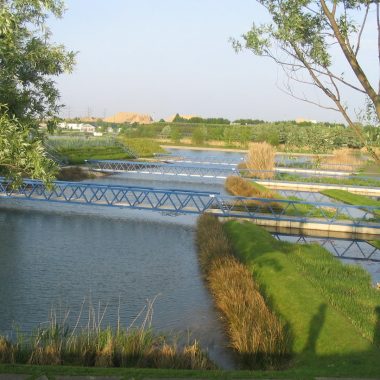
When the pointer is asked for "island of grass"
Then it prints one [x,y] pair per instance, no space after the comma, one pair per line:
[243,187]
[353,199]
[351,181]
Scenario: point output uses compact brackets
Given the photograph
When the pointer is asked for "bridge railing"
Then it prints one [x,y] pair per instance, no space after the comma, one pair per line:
[352,249]
[193,202]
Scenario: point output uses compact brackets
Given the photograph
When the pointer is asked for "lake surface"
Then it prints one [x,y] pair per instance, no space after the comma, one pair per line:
[52,261]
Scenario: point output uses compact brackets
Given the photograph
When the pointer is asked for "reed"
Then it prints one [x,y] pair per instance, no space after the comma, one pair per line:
[91,345]
[239,186]
[260,160]
[256,335]
[348,159]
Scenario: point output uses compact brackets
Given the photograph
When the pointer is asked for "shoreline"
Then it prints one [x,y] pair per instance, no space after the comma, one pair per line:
[236,150]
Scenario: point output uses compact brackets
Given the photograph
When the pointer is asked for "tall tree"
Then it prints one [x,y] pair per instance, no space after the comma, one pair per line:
[303,38]
[29,61]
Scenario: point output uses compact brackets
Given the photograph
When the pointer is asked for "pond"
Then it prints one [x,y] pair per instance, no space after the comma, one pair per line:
[116,262]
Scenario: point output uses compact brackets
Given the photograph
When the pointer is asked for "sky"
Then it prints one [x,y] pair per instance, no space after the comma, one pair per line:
[174,56]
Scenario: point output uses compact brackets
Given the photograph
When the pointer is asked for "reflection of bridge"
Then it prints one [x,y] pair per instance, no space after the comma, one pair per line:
[267,212]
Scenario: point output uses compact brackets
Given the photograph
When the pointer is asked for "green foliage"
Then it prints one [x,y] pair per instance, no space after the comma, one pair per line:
[248,121]
[197,120]
[28,60]
[295,137]
[22,153]
[302,37]
[142,147]
[199,135]
[28,64]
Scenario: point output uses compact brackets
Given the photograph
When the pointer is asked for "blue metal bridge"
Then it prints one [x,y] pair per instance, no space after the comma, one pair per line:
[178,168]
[159,168]
[270,211]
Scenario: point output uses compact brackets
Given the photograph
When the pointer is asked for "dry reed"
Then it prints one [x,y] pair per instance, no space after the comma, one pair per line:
[260,160]
[241,187]
[254,331]
[256,335]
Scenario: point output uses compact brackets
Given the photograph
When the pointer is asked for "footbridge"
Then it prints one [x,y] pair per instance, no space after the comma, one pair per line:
[266,212]
[181,168]
[159,168]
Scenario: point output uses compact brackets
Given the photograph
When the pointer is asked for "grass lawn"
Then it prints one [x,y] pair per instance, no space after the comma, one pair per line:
[76,150]
[357,181]
[352,199]
[331,309]
[77,156]
[142,147]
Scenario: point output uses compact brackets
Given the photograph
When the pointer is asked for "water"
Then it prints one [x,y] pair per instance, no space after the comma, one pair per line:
[50,260]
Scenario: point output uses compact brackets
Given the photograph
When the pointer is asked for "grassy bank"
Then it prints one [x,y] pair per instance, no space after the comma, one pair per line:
[256,335]
[75,151]
[357,181]
[350,198]
[332,309]
[142,147]
[246,188]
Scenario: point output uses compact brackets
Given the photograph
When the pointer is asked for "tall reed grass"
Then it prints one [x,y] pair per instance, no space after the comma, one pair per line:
[91,345]
[257,336]
[261,160]
[245,188]
[241,187]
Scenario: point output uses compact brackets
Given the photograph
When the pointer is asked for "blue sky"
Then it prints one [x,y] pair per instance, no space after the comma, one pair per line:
[168,56]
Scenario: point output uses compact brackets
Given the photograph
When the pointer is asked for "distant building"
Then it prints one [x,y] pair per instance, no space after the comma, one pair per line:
[81,127]
[300,120]
[98,134]
[87,128]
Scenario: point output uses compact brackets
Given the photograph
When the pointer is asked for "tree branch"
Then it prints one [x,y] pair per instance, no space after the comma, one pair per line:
[304,99]
[361,30]
[351,58]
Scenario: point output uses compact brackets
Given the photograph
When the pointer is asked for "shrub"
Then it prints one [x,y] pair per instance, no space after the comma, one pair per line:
[260,158]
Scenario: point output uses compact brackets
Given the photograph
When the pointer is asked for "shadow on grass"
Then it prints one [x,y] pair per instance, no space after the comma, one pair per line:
[315,328]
